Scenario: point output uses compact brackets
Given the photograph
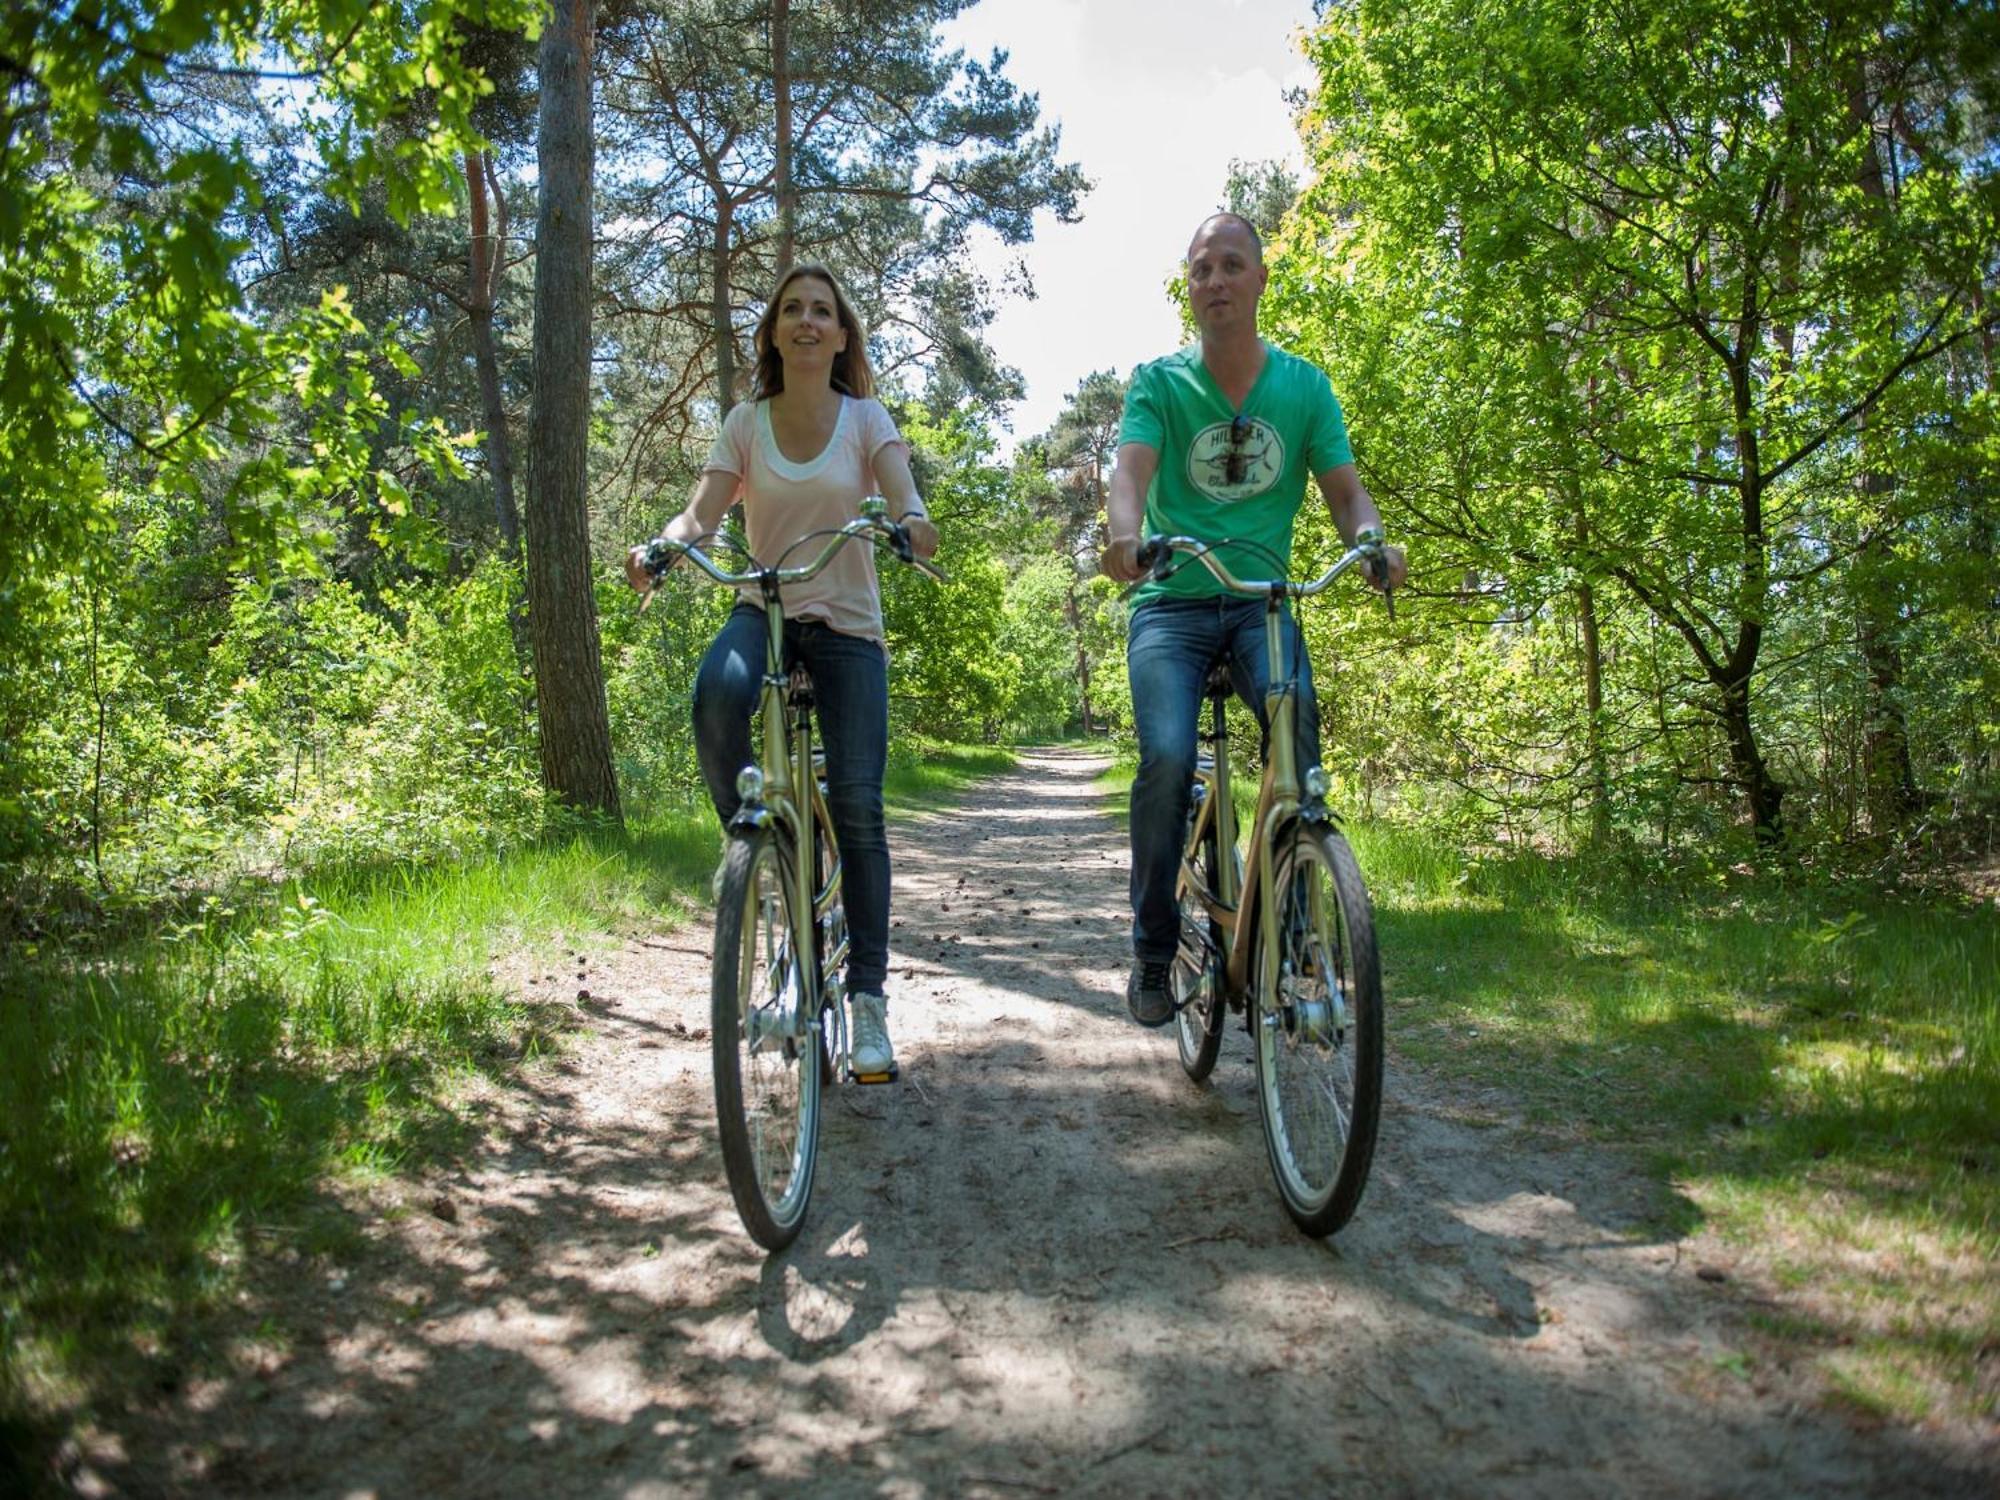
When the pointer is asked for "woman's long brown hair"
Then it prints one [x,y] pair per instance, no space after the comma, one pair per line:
[852,374]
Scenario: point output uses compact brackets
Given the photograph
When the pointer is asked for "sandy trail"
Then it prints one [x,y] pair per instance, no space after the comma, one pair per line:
[1043,1263]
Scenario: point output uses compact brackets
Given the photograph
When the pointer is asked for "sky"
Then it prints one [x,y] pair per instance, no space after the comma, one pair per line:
[1155,98]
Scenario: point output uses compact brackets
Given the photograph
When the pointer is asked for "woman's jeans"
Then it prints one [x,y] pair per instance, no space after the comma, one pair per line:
[850,677]
[1169,648]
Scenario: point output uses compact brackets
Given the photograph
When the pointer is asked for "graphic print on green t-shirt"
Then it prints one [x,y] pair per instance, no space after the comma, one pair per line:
[1226,474]
[1236,459]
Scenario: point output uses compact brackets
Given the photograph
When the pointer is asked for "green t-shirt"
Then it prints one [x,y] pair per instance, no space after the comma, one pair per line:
[1213,487]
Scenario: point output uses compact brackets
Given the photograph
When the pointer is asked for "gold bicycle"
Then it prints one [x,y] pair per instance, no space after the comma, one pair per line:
[778,1022]
[1288,941]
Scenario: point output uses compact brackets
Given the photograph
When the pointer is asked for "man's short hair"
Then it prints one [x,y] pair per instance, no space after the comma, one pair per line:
[1256,239]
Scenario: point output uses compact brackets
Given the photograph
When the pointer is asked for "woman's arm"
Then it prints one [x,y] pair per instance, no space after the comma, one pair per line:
[705,509]
[899,488]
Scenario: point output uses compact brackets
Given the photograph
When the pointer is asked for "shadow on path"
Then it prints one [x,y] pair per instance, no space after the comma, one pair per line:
[1043,1263]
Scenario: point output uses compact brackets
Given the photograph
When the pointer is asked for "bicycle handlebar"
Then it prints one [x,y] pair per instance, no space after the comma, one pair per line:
[661,551]
[1369,543]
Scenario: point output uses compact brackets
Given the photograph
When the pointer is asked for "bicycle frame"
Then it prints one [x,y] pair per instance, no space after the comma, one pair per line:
[786,763]
[783,787]
[1279,797]
[1283,793]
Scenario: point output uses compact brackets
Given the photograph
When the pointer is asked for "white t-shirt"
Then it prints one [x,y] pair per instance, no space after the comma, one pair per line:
[784,501]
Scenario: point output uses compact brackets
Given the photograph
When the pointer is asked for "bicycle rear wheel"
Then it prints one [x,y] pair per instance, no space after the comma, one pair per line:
[1318,1029]
[767,1077]
[1197,972]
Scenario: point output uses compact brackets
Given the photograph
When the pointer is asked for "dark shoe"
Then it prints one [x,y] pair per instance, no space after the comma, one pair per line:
[1147,995]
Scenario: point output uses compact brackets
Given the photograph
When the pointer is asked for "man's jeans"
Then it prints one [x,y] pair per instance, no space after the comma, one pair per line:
[1170,646]
[850,677]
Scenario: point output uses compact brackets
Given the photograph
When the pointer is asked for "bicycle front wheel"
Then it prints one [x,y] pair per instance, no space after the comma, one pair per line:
[767,1075]
[1318,1028]
[1197,972]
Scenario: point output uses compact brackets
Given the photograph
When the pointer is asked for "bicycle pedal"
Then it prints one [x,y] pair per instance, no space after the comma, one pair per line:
[891,1076]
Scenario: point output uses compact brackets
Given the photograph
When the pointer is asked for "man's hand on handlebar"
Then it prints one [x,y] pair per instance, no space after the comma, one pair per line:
[1120,562]
[1390,572]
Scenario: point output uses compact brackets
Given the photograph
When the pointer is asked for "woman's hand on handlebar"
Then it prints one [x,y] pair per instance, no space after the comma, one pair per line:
[637,573]
[922,534]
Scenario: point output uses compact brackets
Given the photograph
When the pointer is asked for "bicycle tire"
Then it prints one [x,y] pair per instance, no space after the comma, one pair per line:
[1197,971]
[766,1101]
[1318,1044]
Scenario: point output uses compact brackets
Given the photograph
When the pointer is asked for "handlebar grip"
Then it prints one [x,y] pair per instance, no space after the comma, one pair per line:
[659,558]
[899,542]
[1152,552]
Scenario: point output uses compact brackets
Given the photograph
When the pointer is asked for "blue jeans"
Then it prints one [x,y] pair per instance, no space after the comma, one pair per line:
[1169,648]
[850,676]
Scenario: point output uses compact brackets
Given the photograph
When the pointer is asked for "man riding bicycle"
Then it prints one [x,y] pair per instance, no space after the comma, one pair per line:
[1216,443]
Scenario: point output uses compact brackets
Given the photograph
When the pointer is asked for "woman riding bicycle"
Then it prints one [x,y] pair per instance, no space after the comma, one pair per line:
[802,456]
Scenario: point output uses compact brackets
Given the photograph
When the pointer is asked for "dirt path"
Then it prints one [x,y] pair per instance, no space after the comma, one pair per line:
[1044,1263]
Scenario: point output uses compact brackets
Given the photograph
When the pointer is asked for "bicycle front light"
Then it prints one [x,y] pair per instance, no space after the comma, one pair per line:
[750,784]
[1316,783]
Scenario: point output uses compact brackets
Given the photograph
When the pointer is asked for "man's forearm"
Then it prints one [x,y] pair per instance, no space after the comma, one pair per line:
[1361,514]
[1124,511]
[1125,501]
[1348,503]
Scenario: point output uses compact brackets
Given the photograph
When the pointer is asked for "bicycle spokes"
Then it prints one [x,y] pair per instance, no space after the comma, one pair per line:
[767,1076]
[777,1016]
[1318,1032]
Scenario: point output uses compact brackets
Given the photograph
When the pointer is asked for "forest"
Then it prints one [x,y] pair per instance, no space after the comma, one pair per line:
[345,347]
[1676,380]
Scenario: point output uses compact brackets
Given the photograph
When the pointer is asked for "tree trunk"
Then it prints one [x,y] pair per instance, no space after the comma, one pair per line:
[1593,706]
[575,720]
[1764,792]
[1888,776]
[1739,669]
[781,83]
[1073,612]
[488,249]
[722,318]
[1593,651]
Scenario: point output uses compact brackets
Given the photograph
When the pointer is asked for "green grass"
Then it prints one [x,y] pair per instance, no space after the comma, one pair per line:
[931,775]
[176,1097]
[1816,1070]
[1115,786]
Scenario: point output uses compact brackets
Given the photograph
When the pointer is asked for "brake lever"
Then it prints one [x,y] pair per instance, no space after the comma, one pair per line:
[1377,568]
[1156,560]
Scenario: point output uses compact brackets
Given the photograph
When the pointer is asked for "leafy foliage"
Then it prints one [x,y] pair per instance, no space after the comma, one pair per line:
[1666,337]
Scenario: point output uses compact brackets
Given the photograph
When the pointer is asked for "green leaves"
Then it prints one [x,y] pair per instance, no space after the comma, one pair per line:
[141,389]
[123,320]
[1613,297]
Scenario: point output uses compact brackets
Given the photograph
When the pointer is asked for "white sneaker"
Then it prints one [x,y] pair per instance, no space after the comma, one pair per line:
[871,1052]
